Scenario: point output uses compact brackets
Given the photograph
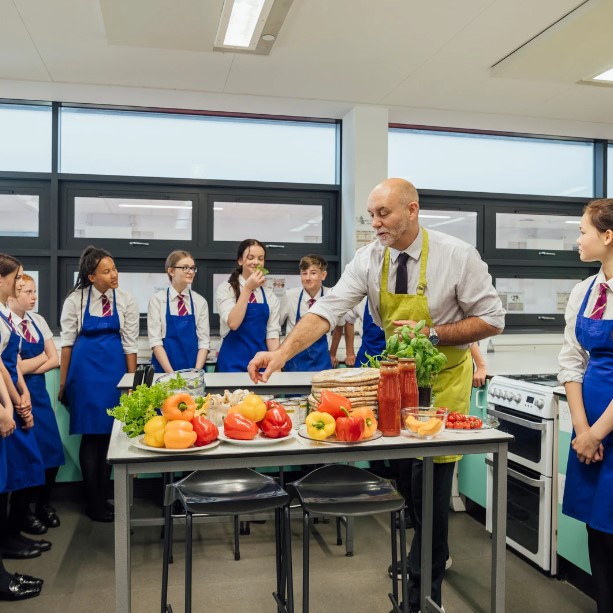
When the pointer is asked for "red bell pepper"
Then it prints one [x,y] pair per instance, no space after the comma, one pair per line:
[349,428]
[276,423]
[206,431]
[334,404]
[238,427]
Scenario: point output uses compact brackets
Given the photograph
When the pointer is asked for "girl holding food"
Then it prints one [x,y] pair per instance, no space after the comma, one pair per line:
[586,371]
[99,344]
[178,319]
[249,313]
[38,356]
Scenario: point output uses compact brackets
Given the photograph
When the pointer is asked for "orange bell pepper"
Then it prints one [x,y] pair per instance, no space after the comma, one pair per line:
[370,421]
[179,406]
[179,434]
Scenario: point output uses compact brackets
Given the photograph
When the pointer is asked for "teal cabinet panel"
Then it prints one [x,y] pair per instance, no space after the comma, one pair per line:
[472,470]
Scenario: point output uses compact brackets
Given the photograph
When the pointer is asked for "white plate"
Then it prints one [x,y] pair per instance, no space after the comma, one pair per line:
[139,443]
[259,441]
[332,440]
[458,431]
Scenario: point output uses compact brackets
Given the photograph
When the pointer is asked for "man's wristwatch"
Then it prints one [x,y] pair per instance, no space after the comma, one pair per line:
[433,336]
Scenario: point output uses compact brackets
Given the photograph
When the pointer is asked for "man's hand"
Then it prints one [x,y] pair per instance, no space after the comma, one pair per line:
[409,322]
[270,360]
[479,376]
[587,447]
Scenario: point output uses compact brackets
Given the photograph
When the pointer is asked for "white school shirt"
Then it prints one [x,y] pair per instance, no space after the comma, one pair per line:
[226,301]
[573,357]
[71,319]
[289,305]
[5,329]
[156,316]
[458,282]
[39,320]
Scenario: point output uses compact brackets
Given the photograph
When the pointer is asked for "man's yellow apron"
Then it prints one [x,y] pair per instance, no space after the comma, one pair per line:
[452,387]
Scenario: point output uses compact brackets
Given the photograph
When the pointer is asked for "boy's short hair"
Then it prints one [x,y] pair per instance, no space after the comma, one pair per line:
[313,260]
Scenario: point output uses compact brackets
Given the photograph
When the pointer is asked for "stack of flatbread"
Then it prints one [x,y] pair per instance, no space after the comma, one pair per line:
[359,385]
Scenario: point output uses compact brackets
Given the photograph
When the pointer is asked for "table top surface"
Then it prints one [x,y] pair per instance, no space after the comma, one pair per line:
[122,450]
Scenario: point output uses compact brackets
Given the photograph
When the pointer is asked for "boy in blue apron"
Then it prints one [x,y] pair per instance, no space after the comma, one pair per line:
[248,312]
[297,301]
[586,370]
[178,319]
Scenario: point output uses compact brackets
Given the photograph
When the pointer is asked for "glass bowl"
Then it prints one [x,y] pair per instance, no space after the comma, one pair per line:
[422,422]
[194,381]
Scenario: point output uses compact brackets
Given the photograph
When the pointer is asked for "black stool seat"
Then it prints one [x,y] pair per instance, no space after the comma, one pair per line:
[230,492]
[341,490]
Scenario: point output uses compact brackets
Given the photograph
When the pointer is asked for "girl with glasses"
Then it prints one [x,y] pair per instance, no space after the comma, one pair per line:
[178,319]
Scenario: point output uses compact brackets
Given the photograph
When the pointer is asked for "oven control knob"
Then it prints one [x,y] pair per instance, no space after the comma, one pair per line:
[517,397]
[496,392]
[539,403]
[508,396]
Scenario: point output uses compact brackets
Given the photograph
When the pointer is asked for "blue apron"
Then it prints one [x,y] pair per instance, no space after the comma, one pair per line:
[181,340]
[588,494]
[239,346]
[24,464]
[373,339]
[96,366]
[45,425]
[313,358]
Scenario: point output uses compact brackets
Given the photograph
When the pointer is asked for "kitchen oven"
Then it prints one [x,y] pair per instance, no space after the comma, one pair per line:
[526,407]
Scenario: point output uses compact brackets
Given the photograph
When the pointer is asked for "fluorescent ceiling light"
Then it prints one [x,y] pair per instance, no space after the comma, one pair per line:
[155,206]
[426,216]
[242,23]
[576,223]
[607,75]
[218,208]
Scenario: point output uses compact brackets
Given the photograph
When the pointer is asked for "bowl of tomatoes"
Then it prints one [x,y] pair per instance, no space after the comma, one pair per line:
[459,421]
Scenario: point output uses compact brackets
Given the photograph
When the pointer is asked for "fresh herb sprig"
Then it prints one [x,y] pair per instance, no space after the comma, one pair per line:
[263,270]
[137,408]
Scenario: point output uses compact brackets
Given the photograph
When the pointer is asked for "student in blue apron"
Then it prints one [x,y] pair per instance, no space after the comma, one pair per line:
[178,319]
[38,356]
[100,324]
[25,466]
[373,337]
[297,301]
[249,313]
[586,370]
[13,586]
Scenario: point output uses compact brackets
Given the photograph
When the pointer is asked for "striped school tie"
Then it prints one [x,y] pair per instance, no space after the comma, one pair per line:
[252,298]
[106,306]
[311,302]
[181,308]
[27,335]
[601,302]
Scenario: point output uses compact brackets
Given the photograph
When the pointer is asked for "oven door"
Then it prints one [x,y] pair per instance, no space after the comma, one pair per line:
[528,512]
[533,444]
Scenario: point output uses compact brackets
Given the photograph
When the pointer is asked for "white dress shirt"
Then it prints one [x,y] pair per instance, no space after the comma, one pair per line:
[71,319]
[226,301]
[458,283]
[573,357]
[39,320]
[156,316]
[289,305]
[5,329]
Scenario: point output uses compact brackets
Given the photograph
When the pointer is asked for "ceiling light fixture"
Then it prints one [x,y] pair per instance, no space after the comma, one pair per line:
[242,22]
[426,216]
[607,75]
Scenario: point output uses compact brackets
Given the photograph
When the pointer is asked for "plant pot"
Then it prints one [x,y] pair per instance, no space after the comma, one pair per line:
[425,396]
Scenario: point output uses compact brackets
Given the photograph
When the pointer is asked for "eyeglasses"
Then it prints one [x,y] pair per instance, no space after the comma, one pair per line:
[186,269]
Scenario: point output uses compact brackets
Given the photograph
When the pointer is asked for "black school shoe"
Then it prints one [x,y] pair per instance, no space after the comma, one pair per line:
[31,524]
[16,590]
[28,580]
[48,516]
[12,549]
[41,545]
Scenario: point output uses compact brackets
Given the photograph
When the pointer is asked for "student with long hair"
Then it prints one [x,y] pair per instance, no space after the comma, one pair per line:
[99,344]
[38,356]
[178,319]
[249,313]
[586,371]
[25,466]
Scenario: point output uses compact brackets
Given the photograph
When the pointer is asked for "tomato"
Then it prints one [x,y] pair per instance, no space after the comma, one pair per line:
[478,423]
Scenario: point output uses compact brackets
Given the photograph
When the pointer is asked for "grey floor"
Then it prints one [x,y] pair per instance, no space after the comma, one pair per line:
[79,570]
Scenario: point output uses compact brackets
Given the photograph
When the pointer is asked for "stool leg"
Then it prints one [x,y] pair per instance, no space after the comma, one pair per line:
[349,536]
[403,562]
[188,561]
[305,562]
[287,547]
[339,536]
[237,551]
[167,537]
[394,534]
[279,536]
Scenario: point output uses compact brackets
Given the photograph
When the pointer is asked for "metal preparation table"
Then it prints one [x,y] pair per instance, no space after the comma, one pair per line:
[128,460]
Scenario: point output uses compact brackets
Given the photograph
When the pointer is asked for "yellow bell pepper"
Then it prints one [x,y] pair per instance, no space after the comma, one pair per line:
[251,406]
[179,434]
[320,425]
[154,431]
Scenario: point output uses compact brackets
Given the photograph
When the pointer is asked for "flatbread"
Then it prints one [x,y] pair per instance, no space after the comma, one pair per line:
[358,390]
[346,376]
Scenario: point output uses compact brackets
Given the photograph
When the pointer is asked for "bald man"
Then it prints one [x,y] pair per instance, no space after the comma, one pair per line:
[410,274]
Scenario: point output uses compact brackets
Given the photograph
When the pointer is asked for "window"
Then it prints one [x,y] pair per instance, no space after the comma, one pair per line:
[537,232]
[19,215]
[196,146]
[496,164]
[461,224]
[25,144]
